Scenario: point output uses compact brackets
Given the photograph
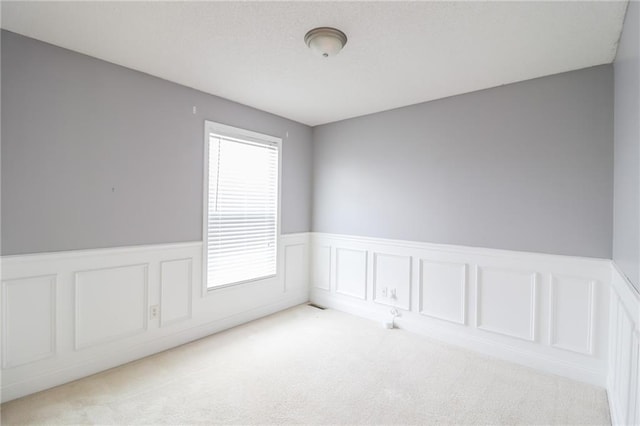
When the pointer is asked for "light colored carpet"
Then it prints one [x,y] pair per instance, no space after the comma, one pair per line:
[305,365]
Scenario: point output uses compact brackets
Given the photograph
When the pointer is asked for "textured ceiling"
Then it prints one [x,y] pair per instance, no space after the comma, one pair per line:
[398,53]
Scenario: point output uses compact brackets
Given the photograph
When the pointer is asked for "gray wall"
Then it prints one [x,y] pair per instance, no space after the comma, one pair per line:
[97,155]
[626,223]
[527,166]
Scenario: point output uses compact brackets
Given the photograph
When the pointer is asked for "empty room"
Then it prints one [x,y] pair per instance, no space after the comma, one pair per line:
[314,212]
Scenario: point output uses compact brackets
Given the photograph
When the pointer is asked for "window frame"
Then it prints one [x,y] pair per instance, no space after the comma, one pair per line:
[225,130]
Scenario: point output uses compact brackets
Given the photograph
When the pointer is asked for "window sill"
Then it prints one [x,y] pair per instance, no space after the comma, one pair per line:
[239,284]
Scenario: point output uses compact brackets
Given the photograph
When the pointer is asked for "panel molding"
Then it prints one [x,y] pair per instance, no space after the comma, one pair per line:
[519,332]
[624,363]
[364,277]
[189,314]
[634,391]
[285,281]
[317,264]
[623,384]
[69,364]
[533,305]
[406,306]
[79,255]
[553,315]
[6,360]
[223,309]
[463,290]
[78,344]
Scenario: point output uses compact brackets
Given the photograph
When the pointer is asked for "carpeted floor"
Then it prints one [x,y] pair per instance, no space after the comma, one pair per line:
[306,365]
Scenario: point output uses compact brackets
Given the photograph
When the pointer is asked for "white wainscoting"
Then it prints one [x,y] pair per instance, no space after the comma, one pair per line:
[98,295]
[623,386]
[67,315]
[28,303]
[176,283]
[392,280]
[507,301]
[351,272]
[321,267]
[443,290]
[71,314]
[543,311]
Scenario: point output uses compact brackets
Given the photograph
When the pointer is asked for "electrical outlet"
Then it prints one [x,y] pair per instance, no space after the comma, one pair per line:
[154,312]
[385,292]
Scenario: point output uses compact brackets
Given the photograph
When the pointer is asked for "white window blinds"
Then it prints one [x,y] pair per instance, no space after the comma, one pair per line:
[241,235]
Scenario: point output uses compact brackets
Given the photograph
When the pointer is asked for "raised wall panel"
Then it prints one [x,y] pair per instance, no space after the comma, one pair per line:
[506,302]
[322,268]
[28,319]
[392,280]
[175,290]
[351,272]
[443,290]
[614,358]
[571,313]
[624,351]
[111,303]
[634,406]
[492,301]
[102,302]
[624,363]
[295,267]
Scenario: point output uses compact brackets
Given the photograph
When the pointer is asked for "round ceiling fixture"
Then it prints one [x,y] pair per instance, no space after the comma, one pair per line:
[325,41]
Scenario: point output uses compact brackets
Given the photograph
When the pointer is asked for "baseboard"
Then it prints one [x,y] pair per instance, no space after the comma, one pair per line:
[542,311]
[615,413]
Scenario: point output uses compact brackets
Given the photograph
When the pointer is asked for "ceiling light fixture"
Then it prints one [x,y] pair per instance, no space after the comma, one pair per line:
[325,41]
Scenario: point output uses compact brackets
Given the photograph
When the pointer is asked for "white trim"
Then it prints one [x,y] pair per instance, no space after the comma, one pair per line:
[553,301]
[366,273]
[628,294]
[533,277]
[190,298]
[465,285]
[529,344]
[145,303]
[59,256]
[396,304]
[207,318]
[624,350]
[239,133]
[284,254]
[460,249]
[312,266]
[226,308]
[53,284]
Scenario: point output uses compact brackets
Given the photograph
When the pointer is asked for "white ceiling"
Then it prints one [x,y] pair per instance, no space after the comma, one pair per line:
[398,53]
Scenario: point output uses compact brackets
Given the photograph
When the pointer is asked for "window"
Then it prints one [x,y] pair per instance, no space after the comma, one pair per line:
[241,205]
